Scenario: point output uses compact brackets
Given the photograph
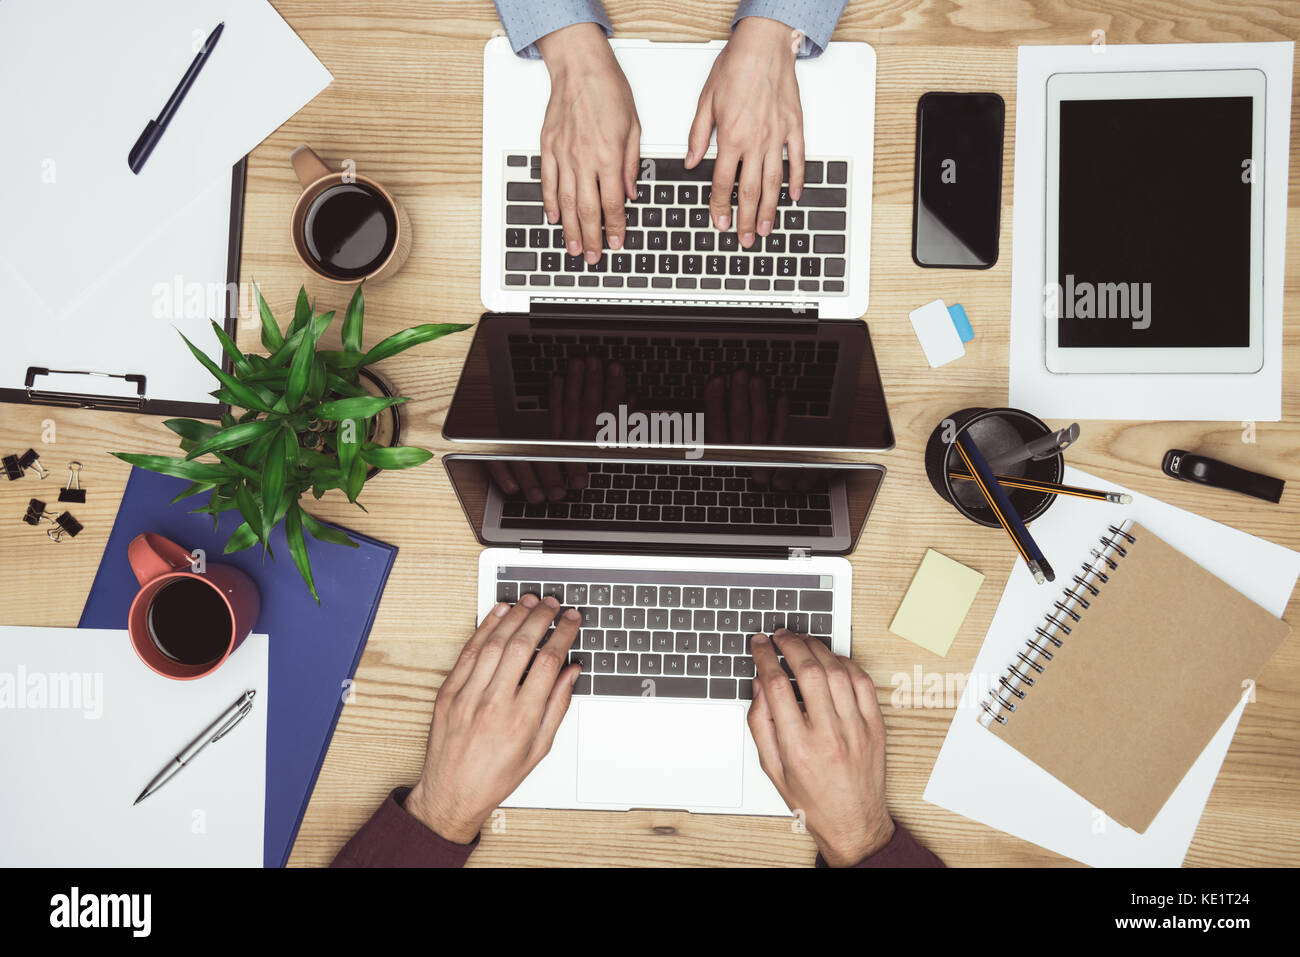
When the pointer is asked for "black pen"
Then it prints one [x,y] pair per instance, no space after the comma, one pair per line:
[153,131]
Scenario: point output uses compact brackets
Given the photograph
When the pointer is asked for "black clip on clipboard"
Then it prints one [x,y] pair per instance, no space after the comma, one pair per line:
[32,394]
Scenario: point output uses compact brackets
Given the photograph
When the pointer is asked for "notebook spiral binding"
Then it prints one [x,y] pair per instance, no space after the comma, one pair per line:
[1014,683]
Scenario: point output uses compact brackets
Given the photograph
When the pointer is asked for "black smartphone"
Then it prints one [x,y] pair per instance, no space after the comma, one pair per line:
[957,194]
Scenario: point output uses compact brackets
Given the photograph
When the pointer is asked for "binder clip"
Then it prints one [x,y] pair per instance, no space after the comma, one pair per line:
[30,460]
[35,512]
[12,468]
[63,524]
[73,492]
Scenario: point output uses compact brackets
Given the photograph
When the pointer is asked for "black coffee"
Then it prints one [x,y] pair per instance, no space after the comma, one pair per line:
[349,230]
[189,622]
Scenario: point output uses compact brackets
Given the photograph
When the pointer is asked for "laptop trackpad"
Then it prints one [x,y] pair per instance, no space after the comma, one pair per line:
[639,753]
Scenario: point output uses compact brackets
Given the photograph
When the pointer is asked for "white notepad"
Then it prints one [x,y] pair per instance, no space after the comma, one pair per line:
[980,776]
[83,77]
[85,725]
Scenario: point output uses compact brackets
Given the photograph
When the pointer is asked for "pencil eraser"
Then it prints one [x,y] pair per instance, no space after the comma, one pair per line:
[939,338]
[961,322]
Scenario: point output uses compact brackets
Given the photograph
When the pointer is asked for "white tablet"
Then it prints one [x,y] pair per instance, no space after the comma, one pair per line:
[1154,239]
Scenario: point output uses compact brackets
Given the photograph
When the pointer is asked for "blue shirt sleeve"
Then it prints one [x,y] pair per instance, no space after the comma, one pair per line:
[526,21]
[815,19]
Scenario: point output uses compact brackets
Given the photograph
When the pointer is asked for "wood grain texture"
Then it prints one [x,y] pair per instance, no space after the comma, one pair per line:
[406,105]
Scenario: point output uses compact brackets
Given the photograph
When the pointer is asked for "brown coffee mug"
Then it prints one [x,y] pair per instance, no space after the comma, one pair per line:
[346,227]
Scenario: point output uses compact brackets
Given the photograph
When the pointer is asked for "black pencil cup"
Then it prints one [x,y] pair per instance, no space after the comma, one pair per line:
[995,431]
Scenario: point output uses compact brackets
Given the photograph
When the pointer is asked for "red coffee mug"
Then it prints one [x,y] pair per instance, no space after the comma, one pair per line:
[157,562]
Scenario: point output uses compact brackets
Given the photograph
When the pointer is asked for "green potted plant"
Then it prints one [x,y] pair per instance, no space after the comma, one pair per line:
[311,418]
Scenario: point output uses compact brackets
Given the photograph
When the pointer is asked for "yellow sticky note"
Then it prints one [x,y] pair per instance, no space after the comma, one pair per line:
[936,602]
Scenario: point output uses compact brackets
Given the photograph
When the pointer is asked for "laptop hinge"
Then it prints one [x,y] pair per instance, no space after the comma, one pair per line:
[800,551]
[530,544]
[686,310]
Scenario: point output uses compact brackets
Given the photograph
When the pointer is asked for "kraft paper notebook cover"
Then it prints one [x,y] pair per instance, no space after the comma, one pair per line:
[1123,684]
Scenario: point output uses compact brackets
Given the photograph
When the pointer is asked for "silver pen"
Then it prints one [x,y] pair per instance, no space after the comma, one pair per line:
[213,732]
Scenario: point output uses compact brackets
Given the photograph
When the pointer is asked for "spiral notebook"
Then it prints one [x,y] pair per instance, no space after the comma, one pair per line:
[1130,673]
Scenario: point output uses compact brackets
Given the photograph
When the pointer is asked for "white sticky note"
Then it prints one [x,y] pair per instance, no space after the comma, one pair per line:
[938,335]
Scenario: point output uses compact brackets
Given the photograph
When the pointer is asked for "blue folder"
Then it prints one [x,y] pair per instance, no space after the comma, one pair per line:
[314,650]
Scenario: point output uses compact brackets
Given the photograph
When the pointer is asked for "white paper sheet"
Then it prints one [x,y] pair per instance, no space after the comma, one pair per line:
[71,772]
[1200,397]
[980,776]
[83,77]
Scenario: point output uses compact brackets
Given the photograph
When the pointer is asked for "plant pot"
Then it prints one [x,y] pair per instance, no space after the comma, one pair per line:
[386,427]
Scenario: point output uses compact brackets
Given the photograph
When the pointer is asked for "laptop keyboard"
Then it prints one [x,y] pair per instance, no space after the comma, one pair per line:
[677,369]
[671,243]
[673,634]
[677,498]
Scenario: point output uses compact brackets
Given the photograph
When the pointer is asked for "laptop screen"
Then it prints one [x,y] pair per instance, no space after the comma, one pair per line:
[675,505]
[641,380]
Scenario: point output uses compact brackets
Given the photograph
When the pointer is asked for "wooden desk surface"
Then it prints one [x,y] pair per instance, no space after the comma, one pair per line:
[405,104]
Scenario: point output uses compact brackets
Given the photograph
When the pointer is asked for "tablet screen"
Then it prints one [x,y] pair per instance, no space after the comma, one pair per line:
[1155,223]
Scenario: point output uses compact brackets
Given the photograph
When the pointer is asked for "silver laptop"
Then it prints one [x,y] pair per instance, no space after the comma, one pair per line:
[817,257]
[673,565]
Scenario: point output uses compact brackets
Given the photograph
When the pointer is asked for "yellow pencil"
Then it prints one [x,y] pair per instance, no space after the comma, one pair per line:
[1033,485]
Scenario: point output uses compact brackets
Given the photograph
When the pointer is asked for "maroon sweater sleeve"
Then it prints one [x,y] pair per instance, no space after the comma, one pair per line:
[393,838]
[901,851]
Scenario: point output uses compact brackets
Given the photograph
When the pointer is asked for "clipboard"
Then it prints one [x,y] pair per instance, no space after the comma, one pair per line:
[154,374]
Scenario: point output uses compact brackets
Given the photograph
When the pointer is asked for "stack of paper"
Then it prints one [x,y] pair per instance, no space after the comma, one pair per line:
[91,252]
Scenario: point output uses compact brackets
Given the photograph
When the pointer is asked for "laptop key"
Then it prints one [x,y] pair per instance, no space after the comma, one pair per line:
[697,665]
[524,216]
[603,663]
[820,196]
[508,591]
[710,643]
[582,685]
[674,664]
[751,622]
[763,598]
[720,666]
[742,666]
[745,689]
[722,688]
[662,640]
[663,686]
[814,600]
[827,219]
[786,599]
[651,664]
[638,641]
[733,643]
[685,643]
[627,664]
